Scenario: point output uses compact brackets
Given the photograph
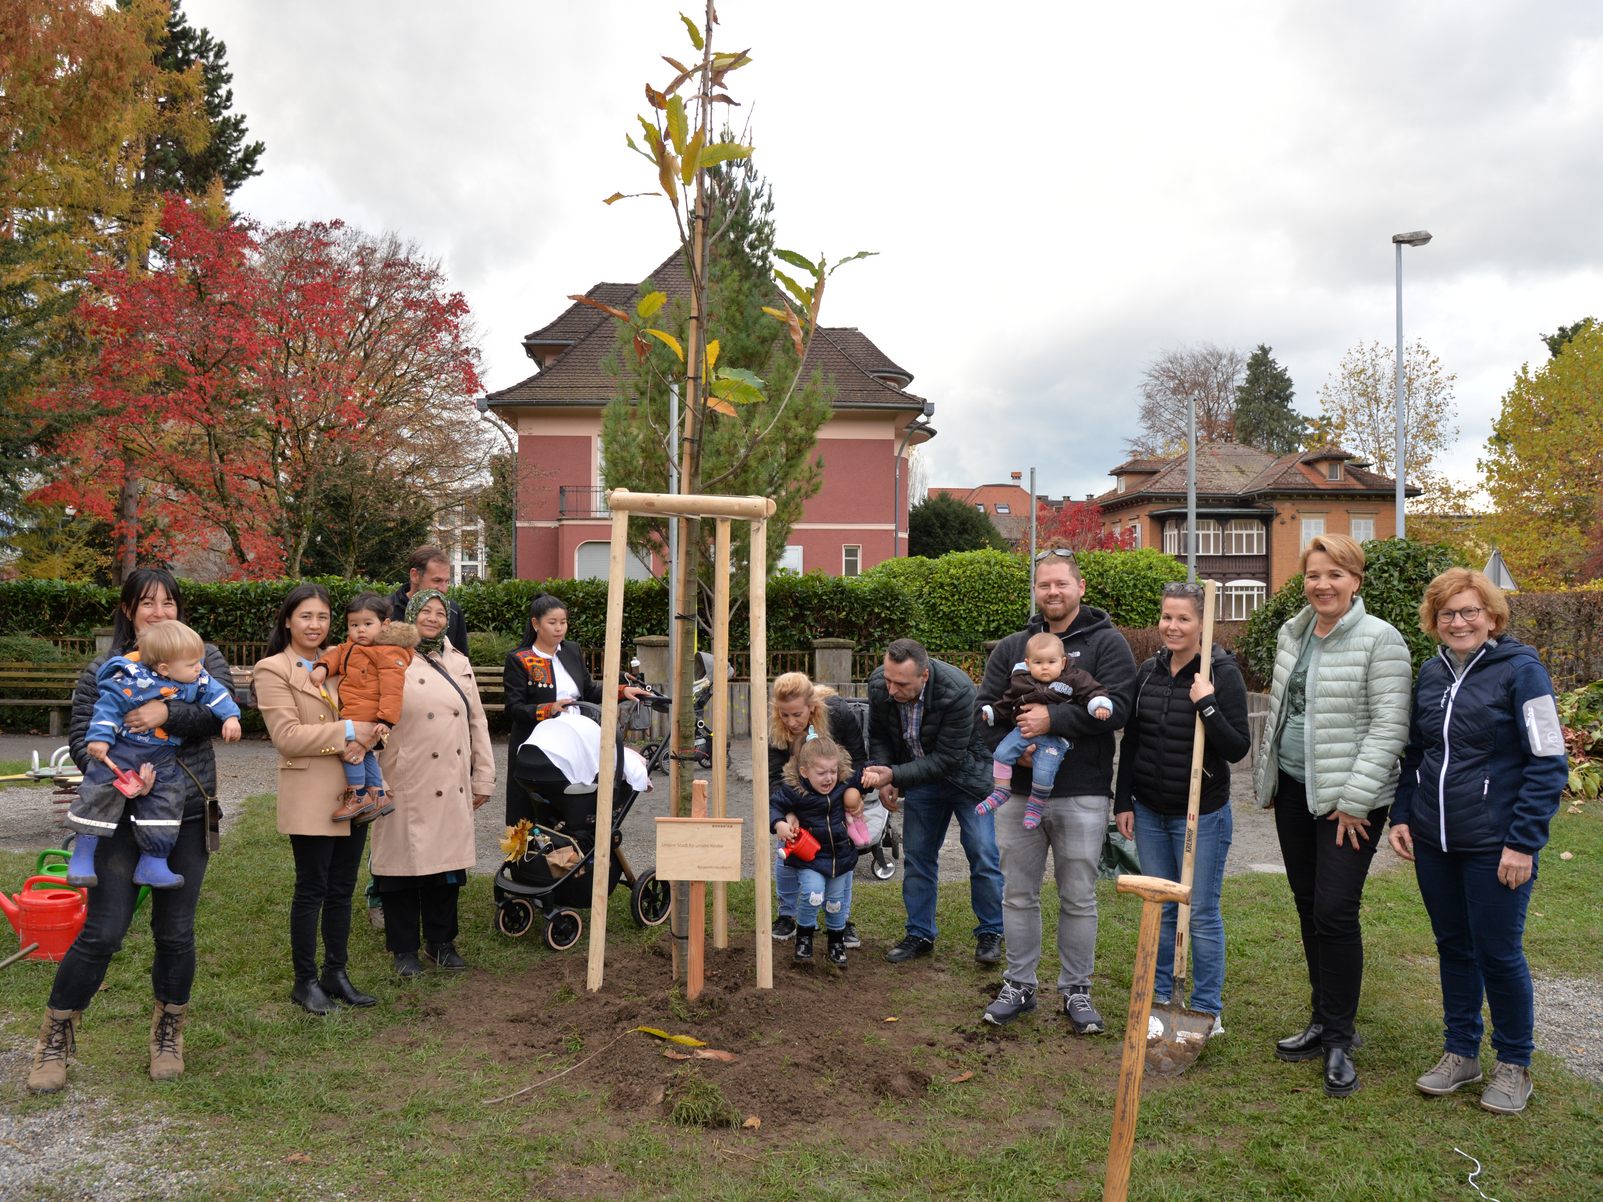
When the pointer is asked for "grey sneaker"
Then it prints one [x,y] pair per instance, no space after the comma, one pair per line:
[853,939]
[1451,1071]
[1012,1001]
[784,927]
[1509,1091]
[1081,1013]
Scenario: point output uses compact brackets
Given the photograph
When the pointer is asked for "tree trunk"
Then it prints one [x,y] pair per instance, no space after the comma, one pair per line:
[128,519]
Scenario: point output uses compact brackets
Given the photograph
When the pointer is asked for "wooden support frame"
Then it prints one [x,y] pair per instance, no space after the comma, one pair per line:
[757,511]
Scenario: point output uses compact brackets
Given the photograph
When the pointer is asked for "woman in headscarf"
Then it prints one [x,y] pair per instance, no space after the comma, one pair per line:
[439,767]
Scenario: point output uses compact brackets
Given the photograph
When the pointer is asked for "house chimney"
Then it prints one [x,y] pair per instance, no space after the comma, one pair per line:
[1016,476]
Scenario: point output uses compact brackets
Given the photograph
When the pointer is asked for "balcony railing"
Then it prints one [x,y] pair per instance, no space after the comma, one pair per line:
[582,501]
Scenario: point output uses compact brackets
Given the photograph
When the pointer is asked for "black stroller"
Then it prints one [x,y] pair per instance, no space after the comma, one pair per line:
[551,870]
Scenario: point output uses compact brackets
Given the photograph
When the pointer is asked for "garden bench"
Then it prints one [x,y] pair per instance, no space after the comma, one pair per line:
[40,686]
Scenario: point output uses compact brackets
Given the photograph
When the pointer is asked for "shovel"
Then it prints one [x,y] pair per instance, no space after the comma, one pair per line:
[1177,1034]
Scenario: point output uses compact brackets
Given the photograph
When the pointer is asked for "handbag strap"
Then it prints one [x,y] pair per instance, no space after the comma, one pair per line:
[440,668]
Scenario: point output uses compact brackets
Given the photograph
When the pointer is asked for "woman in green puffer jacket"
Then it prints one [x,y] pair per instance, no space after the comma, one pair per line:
[1337,723]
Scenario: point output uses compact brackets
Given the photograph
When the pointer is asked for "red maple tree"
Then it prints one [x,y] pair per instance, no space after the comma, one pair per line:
[1078,525]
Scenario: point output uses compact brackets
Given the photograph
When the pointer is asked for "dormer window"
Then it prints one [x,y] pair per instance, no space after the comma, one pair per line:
[1003,509]
[1119,487]
[980,505]
[1333,470]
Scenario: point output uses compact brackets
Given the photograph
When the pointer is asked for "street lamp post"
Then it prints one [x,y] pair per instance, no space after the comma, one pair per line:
[1412,238]
[500,428]
[919,425]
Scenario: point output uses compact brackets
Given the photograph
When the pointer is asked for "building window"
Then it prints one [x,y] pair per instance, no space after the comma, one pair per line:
[593,561]
[790,560]
[1000,508]
[1244,536]
[463,537]
[1239,599]
[851,559]
[1363,528]
[1119,486]
[1333,470]
[1209,537]
[1312,528]
[1135,534]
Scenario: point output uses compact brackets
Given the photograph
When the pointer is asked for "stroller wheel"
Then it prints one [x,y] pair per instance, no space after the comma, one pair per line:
[514,917]
[649,753]
[883,867]
[650,899]
[562,930]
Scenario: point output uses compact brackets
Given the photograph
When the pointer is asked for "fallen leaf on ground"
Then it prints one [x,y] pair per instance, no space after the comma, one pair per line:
[673,1055]
[715,1054]
[1538,914]
[893,1019]
[686,1040]
[752,1122]
[1566,855]
[962,1077]
[297,1158]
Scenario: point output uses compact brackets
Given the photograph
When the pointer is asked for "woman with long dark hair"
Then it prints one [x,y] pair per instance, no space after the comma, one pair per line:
[149,596]
[312,740]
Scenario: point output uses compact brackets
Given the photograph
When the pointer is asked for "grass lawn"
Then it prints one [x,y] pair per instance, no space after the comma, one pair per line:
[392,1102]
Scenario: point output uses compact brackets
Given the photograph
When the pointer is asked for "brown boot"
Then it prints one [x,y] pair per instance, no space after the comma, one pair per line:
[351,806]
[167,1041]
[57,1040]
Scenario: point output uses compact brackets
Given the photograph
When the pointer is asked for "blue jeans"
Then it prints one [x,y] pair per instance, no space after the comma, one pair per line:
[927,812]
[365,775]
[1480,929]
[834,893]
[1049,753]
[1161,841]
[111,910]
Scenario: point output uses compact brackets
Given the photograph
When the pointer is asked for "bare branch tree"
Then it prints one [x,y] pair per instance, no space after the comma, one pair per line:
[1208,373]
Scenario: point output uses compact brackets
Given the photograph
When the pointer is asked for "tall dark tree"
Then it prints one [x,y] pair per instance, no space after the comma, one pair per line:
[942,523]
[170,164]
[1558,338]
[1264,416]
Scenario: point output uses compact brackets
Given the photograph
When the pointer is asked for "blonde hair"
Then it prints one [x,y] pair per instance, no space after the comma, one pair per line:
[1453,581]
[821,750]
[1344,552]
[798,686]
[169,642]
[1042,643]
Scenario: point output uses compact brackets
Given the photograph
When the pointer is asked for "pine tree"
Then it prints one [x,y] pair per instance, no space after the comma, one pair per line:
[1264,416]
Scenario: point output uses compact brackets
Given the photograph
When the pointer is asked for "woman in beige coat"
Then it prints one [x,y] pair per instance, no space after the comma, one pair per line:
[304,724]
[439,767]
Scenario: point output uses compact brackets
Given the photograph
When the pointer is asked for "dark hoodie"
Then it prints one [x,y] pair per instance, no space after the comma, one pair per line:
[1485,761]
[1094,645]
[1155,754]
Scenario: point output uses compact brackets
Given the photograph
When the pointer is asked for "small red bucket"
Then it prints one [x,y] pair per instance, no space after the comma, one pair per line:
[47,912]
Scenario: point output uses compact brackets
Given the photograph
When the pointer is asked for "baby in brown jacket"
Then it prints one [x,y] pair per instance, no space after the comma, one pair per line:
[371,665]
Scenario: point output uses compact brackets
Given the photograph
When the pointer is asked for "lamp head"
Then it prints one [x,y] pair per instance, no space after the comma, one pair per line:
[482,404]
[1412,238]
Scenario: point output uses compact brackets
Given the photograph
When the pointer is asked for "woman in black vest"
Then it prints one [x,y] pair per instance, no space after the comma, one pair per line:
[1149,800]
[542,678]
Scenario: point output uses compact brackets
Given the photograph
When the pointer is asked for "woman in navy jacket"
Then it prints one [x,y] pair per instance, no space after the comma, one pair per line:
[1481,780]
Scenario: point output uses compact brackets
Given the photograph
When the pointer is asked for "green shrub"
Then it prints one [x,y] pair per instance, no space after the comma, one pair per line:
[1566,628]
[971,596]
[1128,584]
[1396,573]
[489,648]
[26,649]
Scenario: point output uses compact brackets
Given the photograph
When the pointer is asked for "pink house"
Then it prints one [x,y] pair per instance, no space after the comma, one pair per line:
[857,518]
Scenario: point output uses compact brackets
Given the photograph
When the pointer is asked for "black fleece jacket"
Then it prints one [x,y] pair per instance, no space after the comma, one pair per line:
[1155,756]
[1093,644]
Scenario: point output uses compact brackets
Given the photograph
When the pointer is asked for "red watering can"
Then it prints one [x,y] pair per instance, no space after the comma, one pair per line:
[48,913]
[804,847]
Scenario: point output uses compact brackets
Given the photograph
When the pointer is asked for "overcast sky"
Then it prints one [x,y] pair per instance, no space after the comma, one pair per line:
[1058,192]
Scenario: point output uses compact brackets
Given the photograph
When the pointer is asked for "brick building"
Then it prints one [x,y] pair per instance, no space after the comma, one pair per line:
[857,518]
[1255,512]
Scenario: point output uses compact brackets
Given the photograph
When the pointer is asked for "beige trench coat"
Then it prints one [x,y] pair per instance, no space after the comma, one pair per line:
[438,758]
[310,739]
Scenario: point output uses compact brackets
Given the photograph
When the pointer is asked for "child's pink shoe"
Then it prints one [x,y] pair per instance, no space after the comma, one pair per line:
[857,829]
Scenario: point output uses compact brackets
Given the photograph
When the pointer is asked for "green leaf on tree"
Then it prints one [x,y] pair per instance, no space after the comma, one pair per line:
[695,34]
[722,152]
[649,304]
[667,340]
[678,126]
[796,260]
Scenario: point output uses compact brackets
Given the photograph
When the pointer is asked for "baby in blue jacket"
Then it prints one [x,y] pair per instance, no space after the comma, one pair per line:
[166,667]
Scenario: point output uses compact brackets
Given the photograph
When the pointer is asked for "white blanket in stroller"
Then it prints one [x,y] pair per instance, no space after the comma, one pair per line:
[572,741]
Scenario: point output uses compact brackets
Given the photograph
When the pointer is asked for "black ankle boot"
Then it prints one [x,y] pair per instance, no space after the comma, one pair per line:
[1307,1045]
[837,948]
[1341,1077]
[338,986]
[804,943]
[309,996]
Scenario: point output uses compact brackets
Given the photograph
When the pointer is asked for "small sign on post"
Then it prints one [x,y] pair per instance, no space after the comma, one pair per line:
[698,849]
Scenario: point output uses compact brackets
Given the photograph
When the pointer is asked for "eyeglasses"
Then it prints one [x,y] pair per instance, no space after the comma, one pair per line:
[1447,617]
[1060,552]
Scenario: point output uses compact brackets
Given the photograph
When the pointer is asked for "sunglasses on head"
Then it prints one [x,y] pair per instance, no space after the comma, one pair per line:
[1180,588]
[1060,552]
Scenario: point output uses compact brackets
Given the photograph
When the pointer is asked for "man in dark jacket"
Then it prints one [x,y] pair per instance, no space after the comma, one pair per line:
[1076,817]
[430,567]
[925,753]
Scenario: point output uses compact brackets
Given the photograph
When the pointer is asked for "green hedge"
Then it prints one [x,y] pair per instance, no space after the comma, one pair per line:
[1396,573]
[1566,629]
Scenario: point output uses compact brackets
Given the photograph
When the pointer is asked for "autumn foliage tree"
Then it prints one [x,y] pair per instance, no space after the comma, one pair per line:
[249,379]
[1078,526]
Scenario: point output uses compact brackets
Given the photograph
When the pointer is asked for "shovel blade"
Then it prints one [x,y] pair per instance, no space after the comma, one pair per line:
[1176,1036]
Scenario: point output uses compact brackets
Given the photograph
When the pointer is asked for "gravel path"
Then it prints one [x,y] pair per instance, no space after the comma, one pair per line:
[37,1146]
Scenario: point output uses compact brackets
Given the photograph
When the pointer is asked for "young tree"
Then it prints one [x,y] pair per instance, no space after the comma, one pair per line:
[1543,465]
[1264,416]
[1078,526]
[1207,374]
[942,523]
[1360,398]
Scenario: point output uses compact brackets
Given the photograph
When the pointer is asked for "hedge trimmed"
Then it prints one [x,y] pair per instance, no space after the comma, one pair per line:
[1566,628]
